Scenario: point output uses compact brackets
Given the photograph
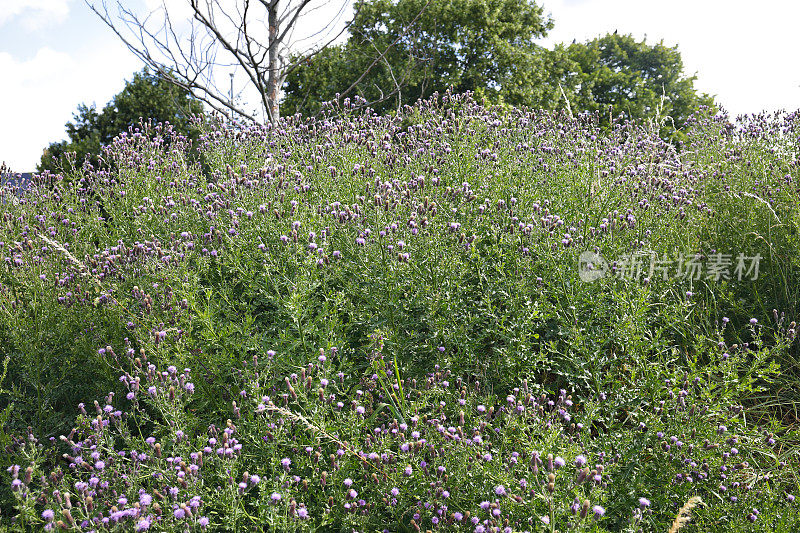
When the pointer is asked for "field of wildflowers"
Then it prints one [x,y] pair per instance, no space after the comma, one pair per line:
[459,318]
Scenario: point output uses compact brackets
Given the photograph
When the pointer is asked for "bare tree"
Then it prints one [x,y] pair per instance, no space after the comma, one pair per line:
[224,34]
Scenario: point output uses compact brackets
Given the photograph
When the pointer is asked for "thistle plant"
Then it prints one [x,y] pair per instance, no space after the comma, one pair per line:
[387,326]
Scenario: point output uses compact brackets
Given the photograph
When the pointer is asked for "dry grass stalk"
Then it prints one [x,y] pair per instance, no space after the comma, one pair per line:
[84,269]
[684,514]
[314,429]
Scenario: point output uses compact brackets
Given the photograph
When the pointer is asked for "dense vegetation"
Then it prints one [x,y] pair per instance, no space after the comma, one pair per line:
[380,323]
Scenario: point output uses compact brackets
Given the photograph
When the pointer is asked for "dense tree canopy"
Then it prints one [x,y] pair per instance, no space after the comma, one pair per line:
[616,74]
[147,96]
[402,50]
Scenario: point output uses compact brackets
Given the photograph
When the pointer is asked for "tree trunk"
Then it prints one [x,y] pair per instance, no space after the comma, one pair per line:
[273,80]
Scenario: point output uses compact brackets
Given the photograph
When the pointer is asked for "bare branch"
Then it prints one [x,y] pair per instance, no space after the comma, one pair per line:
[330,24]
[235,38]
[383,54]
[305,57]
[293,20]
[189,61]
[188,71]
[253,60]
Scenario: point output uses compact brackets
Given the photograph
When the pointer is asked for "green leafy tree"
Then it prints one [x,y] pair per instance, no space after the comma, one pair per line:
[402,50]
[617,74]
[147,96]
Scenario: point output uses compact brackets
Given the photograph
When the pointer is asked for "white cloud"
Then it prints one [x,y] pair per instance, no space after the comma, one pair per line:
[45,91]
[744,54]
[35,14]
[25,103]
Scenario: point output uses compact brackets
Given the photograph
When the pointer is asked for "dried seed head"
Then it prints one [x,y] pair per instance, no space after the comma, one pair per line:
[585,508]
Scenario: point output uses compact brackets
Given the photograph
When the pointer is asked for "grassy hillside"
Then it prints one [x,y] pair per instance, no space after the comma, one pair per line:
[460,318]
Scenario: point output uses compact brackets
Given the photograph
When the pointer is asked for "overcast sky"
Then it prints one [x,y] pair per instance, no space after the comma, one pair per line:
[56,54]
